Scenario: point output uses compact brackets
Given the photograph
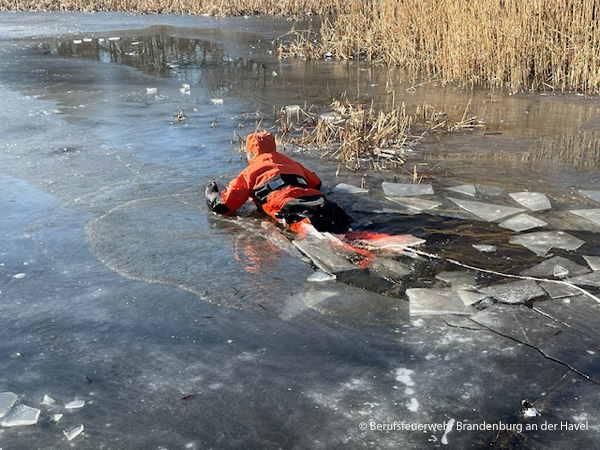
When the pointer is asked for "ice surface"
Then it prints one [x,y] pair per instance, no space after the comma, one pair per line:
[319,277]
[344,188]
[514,292]
[406,190]
[469,297]
[522,222]
[390,268]
[7,400]
[557,290]
[486,211]
[21,415]
[467,189]
[73,432]
[593,262]
[590,214]
[540,242]
[594,195]
[75,404]
[489,190]
[47,400]
[592,279]
[425,302]
[557,266]
[535,201]
[459,279]
[322,255]
[419,204]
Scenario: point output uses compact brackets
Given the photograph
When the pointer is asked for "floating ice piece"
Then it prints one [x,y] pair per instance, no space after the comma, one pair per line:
[344,188]
[419,204]
[397,242]
[292,108]
[185,86]
[469,297]
[75,404]
[522,222]
[540,242]
[590,214]
[535,201]
[425,302]
[558,267]
[330,116]
[216,101]
[593,262]
[18,276]
[514,292]
[489,190]
[319,277]
[531,412]
[114,38]
[7,400]
[21,415]
[73,432]
[274,73]
[151,91]
[594,195]
[406,190]
[185,91]
[458,279]
[467,189]
[556,290]
[390,268]
[323,256]
[486,211]
[485,248]
[403,375]
[591,279]
[77,41]
[56,417]
[47,400]
[87,39]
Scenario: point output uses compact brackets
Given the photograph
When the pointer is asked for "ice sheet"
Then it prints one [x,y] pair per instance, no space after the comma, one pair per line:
[459,279]
[21,415]
[344,188]
[591,279]
[514,292]
[486,211]
[540,242]
[593,261]
[554,266]
[406,190]
[418,204]
[489,190]
[522,222]
[7,400]
[590,214]
[466,189]
[427,302]
[535,201]
[594,195]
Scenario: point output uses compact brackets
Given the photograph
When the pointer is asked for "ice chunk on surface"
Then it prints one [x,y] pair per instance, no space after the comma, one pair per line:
[540,242]
[7,400]
[73,432]
[486,211]
[425,302]
[406,190]
[590,214]
[321,277]
[594,195]
[592,279]
[558,290]
[419,204]
[553,266]
[467,189]
[458,279]
[535,201]
[593,262]
[21,415]
[47,400]
[469,297]
[522,222]
[485,248]
[75,404]
[514,292]
[344,188]
[485,189]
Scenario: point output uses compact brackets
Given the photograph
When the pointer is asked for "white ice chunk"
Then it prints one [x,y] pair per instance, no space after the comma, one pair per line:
[7,400]
[467,189]
[485,248]
[330,116]
[151,91]
[590,214]
[292,108]
[593,262]
[18,276]
[424,302]
[420,204]
[73,432]
[489,190]
[403,376]
[319,277]
[406,190]
[47,400]
[469,297]
[344,188]
[540,242]
[522,222]
[77,41]
[56,417]
[75,404]
[21,415]
[557,266]
[594,195]
[514,292]
[531,412]
[458,279]
[413,405]
[535,201]
[486,211]
[216,101]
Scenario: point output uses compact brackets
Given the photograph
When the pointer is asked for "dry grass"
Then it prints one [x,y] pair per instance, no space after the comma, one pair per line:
[362,136]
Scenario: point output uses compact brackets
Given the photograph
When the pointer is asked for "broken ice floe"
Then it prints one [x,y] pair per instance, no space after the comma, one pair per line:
[151,91]
[486,211]
[557,267]
[418,204]
[390,268]
[535,201]
[459,279]
[73,432]
[75,404]
[424,302]
[591,279]
[558,290]
[406,190]
[21,415]
[594,195]
[7,401]
[216,101]
[522,222]
[344,188]
[292,109]
[466,189]
[540,242]
[484,189]
[590,214]
[47,400]
[56,417]
[319,277]
[470,298]
[514,292]
[593,262]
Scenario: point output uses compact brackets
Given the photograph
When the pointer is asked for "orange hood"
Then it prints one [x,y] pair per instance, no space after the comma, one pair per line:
[259,143]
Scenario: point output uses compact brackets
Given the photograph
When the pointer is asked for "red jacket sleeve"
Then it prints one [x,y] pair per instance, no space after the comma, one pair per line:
[236,194]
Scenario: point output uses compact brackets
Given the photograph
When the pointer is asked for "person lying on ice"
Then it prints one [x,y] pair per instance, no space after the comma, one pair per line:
[281,187]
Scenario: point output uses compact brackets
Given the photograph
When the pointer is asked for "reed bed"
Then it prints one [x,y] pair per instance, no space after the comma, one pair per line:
[362,136]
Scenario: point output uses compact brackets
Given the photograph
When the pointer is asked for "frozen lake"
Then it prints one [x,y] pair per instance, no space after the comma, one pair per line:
[157,325]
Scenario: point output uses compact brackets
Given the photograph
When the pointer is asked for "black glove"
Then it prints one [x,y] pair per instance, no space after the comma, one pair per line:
[211,190]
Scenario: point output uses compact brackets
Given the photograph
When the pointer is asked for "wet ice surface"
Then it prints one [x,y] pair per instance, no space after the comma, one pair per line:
[152,324]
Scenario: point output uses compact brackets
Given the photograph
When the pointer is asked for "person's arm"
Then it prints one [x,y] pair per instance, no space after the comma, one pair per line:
[230,199]
[312,179]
